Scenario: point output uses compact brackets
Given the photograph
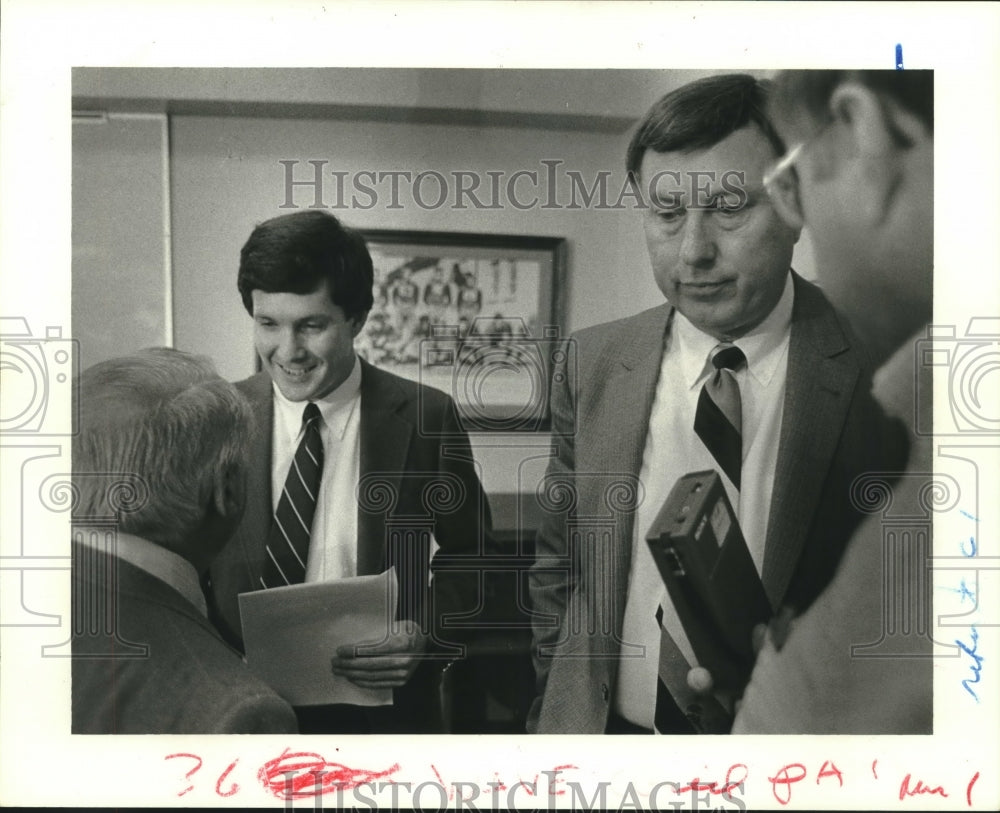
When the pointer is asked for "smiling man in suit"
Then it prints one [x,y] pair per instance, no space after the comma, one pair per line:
[650,399]
[393,471]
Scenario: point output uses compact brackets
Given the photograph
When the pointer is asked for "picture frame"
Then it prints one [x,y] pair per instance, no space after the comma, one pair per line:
[479,316]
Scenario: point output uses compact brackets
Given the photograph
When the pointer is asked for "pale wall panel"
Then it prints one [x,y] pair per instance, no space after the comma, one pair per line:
[120,281]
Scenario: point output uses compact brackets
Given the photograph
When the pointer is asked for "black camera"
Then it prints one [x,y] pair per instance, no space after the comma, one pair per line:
[710,576]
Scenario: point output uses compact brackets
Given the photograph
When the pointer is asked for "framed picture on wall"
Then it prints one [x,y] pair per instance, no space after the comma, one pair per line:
[478,316]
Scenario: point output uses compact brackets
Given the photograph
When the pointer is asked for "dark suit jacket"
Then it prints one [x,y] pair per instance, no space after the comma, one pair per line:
[164,669]
[416,477]
[831,430]
[816,683]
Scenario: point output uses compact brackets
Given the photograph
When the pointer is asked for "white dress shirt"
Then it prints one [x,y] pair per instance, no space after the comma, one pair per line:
[333,546]
[672,450]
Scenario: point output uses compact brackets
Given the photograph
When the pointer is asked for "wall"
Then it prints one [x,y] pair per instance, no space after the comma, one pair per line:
[236,160]
[121,260]
[588,99]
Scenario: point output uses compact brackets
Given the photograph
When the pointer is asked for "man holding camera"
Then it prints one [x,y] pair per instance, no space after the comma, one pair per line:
[746,370]
[354,470]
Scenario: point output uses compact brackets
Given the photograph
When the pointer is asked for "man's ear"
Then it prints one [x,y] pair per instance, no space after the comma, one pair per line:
[880,123]
[357,323]
[876,133]
[859,112]
[229,489]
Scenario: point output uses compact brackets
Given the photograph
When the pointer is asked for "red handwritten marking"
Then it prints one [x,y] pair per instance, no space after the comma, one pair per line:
[712,787]
[234,788]
[783,777]
[968,790]
[531,788]
[441,782]
[556,770]
[874,763]
[312,775]
[921,788]
[188,774]
[833,771]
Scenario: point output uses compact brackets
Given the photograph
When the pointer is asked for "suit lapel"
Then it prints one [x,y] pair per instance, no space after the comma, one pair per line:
[258,516]
[385,444]
[616,426]
[820,384]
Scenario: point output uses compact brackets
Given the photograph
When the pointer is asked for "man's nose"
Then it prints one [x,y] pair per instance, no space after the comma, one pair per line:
[289,344]
[697,244]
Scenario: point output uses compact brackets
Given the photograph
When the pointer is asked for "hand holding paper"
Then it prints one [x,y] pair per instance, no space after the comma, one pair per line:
[385,664]
[291,632]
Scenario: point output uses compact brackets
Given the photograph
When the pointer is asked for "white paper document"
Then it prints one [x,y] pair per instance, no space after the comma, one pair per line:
[291,633]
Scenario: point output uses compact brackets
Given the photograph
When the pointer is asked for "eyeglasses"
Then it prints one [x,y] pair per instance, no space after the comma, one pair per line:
[779,171]
[782,184]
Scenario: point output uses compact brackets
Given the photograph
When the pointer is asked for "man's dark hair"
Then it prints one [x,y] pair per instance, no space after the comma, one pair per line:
[811,90]
[296,253]
[701,114]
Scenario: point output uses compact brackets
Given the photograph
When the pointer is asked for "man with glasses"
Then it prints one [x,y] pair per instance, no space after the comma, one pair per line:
[746,370]
[861,179]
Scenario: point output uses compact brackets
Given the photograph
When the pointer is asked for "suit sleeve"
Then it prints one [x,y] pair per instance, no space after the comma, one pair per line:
[462,529]
[550,578]
[263,714]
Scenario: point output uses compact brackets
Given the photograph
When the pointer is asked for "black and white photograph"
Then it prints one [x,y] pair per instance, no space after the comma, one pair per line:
[475,315]
[470,425]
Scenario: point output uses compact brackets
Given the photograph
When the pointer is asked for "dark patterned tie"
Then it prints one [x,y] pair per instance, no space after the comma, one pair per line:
[288,541]
[718,420]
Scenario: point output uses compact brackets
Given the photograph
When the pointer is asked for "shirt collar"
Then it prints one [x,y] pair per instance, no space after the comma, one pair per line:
[761,346]
[158,562]
[335,407]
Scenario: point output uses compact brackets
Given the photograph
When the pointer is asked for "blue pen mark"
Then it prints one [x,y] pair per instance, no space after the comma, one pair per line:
[971,551]
[899,57]
[962,590]
[967,514]
[977,664]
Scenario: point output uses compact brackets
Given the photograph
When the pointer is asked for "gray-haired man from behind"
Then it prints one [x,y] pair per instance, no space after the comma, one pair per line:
[158,470]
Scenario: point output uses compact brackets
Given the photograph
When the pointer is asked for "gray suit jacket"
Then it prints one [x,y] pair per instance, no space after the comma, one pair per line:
[831,430]
[416,478]
[188,682]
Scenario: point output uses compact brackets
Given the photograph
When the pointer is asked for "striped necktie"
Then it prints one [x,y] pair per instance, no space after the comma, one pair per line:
[718,420]
[288,541]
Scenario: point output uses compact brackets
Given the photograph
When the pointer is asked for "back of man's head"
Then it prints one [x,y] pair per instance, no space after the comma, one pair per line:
[296,253]
[699,115]
[160,434]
